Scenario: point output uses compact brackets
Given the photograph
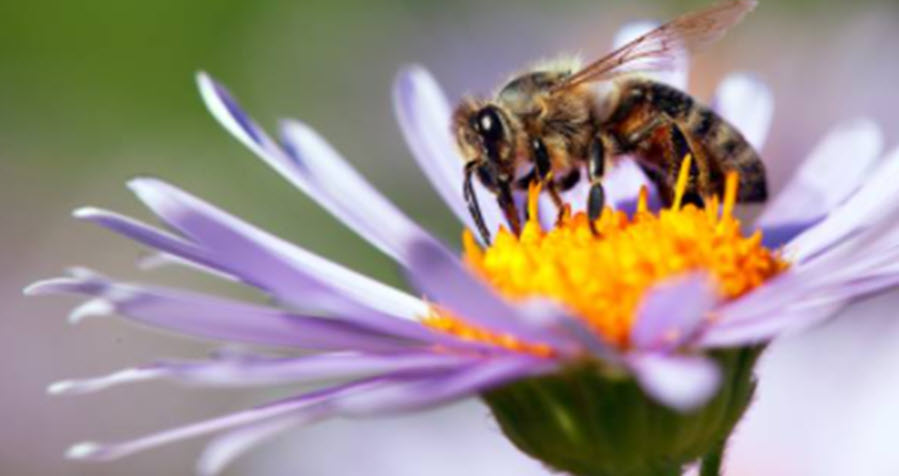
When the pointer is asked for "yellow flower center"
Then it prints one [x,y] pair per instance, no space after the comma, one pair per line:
[603,276]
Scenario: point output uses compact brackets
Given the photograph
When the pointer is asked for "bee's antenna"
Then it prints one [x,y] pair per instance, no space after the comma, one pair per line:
[472,201]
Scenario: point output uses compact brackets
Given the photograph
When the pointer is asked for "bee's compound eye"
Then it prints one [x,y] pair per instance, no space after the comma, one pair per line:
[489,125]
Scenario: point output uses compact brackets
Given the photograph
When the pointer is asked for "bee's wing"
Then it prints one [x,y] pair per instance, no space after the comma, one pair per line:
[658,49]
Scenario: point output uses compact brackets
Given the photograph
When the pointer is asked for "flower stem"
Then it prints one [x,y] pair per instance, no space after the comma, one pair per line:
[711,462]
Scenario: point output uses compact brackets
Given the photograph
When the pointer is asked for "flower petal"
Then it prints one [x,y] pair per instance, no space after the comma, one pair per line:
[253,371]
[212,317]
[231,116]
[309,406]
[765,328]
[423,114]
[822,181]
[150,236]
[623,183]
[680,382]
[671,312]
[229,113]
[746,102]
[361,206]
[288,271]
[861,210]
[223,450]
[676,74]
[421,393]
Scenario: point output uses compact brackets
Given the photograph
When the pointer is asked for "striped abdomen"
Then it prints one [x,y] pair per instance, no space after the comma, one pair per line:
[717,146]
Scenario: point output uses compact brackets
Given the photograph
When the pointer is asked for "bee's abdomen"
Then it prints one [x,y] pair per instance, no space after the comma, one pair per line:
[729,151]
[673,102]
[723,145]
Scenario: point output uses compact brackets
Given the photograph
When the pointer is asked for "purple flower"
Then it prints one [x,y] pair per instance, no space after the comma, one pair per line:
[835,226]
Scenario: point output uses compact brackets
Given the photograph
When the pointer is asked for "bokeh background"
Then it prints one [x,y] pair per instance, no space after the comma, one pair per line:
[94,92]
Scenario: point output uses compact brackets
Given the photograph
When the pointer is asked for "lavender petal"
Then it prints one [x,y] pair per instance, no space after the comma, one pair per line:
[212,317]
[309,406]
[415,394]
[229,113]
[671,312]
[365,209]
[623,184]
[747,103]
[821,183]
[254,371]
[861,210]
[423,114]
[224,449]
[680,382]
[767,327]
[291,273]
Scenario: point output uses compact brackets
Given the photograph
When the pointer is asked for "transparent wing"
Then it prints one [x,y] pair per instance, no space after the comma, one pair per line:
[659,49]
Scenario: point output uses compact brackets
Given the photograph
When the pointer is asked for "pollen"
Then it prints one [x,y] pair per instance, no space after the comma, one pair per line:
[602,275]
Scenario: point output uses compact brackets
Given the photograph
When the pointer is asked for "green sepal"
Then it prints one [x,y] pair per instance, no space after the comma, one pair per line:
[587,421]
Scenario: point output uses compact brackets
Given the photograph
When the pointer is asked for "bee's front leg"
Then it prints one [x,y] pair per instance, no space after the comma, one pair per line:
[507,204]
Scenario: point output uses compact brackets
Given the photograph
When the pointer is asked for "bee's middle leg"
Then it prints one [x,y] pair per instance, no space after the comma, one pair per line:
[604,145]
[544,176]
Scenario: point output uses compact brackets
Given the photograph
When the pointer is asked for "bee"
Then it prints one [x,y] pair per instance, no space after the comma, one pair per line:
[554,125]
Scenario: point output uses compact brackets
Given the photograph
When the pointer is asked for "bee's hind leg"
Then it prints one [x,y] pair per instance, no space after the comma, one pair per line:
[679,147]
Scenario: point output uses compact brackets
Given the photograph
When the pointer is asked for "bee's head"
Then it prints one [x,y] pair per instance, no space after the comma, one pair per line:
[485,136]
[485,140]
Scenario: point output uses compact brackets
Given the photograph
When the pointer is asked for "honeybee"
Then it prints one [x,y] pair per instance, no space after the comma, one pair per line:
[556,124]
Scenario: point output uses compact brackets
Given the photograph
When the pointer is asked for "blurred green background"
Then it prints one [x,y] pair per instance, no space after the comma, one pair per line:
[95,92]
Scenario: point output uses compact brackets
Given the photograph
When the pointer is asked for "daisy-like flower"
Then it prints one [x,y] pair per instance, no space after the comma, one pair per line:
[630,352]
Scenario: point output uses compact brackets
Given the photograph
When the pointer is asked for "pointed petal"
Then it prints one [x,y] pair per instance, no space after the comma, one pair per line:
[254,371]
[309,406]
[822,181]
[423,114]
[147,235]
[767,327]
[361,206]
[232,117]
[680,382]
[426,392]
[863,209]
[212,317]
[671,312]
[229,113]
[223,450]
[286,270]
[746,102]
[77,387]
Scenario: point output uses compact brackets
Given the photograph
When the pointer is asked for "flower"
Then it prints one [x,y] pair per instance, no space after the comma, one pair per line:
[699,296]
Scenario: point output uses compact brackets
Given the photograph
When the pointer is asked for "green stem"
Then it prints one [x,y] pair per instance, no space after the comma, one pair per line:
[711,462]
